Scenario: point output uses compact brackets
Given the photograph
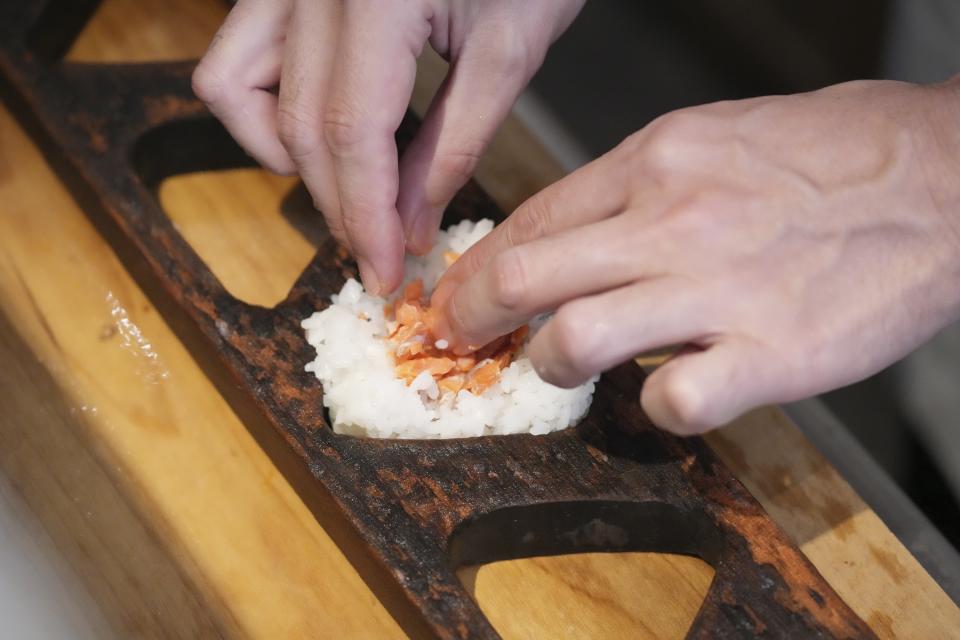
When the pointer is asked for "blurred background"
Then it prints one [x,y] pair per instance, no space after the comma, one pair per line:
[623,63]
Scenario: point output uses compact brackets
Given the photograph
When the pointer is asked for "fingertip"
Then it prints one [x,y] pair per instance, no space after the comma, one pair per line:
[548,371]
[700,390]
[391,283]
[447,324]
[551,369]
[382,276]
[369,277]
[439,326]
[421,233]
[670,400]
[276,162]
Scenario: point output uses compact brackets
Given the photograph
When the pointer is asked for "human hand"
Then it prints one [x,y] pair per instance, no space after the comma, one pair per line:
[345,71]
[794,244]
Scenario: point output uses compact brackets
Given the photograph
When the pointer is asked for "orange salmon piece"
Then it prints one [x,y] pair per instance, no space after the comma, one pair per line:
[411,322]
[492,349]
[449,257]
[415,348]
[408,314]
[406,332]
[409,350]
[483,377]
[452,384]
[412,368]
[414,290]
[504,359]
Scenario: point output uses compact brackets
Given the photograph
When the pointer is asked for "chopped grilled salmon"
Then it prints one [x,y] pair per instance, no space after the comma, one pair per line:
[483,377]
[449,257]
[437,367]
[452,384]
[410,320]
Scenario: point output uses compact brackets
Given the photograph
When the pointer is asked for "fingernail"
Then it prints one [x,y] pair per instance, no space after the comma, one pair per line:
[437,323]
[369,277]
[441,328]
[421,233]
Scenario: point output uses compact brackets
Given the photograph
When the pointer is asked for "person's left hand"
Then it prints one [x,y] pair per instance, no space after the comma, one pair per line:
[319,88]
[794,244]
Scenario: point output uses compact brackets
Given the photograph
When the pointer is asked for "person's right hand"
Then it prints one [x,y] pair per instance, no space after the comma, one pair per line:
[345,71]
[795,244]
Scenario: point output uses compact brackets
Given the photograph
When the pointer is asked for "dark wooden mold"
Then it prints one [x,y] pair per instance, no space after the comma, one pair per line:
[408,512]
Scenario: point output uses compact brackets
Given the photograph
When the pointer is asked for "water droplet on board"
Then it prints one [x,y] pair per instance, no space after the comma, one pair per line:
[149,366]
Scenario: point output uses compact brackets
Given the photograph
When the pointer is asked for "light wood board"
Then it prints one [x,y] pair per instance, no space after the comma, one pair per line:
[104,408]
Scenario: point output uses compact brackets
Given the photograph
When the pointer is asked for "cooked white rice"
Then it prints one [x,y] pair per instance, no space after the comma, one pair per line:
[365,397]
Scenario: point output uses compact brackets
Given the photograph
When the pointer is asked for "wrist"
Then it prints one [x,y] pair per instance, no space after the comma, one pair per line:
[941,160]
[943,130]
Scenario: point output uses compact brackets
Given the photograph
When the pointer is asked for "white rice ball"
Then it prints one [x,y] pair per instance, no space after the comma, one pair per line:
[365,397]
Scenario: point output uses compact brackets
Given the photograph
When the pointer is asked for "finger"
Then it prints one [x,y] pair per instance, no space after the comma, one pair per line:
[590,194]
[490,66]
[699,390]
[592,334]
[236,76]
[310,49]
[539,276]
[376,65]
[475,98]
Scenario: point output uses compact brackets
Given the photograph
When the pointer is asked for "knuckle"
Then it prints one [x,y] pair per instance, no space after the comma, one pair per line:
[513,56]
[685,405]
[353,222]
[633,145]
[207,83]
[299,134]
[571,342]
[460,162]
[531,221]
[335,226]
[682,121]
[341,130]
[661,153]
[698,219]
[508,52]
[666,139]
[509,286]
[682,124]
[472,261]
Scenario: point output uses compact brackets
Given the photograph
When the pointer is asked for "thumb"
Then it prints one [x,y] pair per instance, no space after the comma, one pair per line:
[700,389]
[475,98]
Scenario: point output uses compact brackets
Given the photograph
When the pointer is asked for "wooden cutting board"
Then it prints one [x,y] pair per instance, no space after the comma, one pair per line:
[51,287]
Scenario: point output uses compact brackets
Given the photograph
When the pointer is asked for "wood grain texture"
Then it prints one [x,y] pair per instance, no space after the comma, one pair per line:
[148,31]
[615,596]
[233,219]
[106,412]
[850,545]
[220,584]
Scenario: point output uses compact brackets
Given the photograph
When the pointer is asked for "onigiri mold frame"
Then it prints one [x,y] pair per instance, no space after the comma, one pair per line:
[407,513]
